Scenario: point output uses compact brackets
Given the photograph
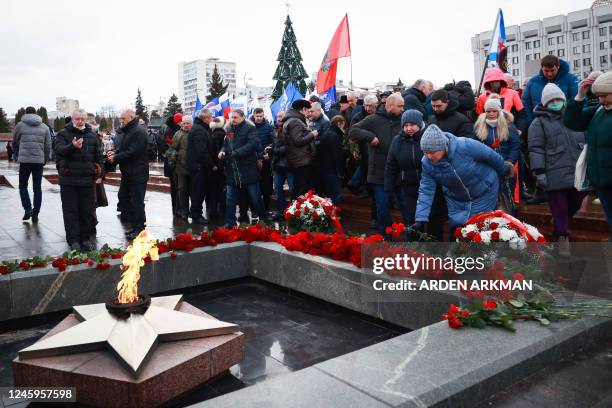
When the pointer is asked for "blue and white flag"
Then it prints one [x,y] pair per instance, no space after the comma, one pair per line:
[328,98]
[198,107]
[498,41]
[290,94]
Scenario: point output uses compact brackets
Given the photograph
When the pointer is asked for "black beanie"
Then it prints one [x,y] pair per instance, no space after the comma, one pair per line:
[301,104]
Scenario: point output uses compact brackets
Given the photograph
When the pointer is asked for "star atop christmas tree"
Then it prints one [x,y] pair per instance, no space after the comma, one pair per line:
[290,68]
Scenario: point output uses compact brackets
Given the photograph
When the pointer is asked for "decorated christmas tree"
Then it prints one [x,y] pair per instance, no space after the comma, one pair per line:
[290,68]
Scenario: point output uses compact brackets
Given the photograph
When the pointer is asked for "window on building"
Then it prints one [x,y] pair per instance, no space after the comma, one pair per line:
[515,60]
[528,57]
[603,45]
[551,52]
[586,62]
[560,39]
[575,36]
[536,44]
[537,56]
[576,63]
[551,41]
[586,35]
[586,48]
[603,59]
[576,50]
[527,45]
[602,31]
[515,72]
[514,47]
[610,29]
[561,53]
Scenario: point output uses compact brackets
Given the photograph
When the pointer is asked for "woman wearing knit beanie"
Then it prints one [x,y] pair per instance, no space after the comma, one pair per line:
[553,152]
[495,128]
[403,173]
[597,121]
[468,172]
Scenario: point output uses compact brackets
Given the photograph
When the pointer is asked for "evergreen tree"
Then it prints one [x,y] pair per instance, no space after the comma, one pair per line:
[103,123]
[141,110]
[19,114]
[215,86]
[42,112]
[155,114]
[58,124]
[173,106]
[4,123]
[290,68]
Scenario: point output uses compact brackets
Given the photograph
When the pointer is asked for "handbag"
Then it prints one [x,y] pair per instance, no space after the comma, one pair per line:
[581,183]
[101,199]
[505,199]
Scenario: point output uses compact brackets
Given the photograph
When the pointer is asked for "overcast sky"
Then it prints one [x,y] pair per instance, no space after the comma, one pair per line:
[100,52]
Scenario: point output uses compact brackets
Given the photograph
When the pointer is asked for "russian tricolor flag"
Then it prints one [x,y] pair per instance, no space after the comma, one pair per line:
[498,41]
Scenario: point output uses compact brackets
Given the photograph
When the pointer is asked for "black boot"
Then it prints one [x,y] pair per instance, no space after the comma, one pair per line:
[28,214]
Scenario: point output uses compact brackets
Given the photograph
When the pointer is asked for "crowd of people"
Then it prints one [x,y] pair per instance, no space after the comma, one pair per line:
[437,155]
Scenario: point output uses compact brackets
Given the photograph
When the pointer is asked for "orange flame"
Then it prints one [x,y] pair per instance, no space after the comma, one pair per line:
[133,260]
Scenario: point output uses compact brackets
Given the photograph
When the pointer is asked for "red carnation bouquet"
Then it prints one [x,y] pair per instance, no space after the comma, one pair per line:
[312,213]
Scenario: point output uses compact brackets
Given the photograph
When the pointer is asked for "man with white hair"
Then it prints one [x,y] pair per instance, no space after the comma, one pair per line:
[378,130]
[317,119]
[80,166]
[199,163]
[133,162]
[415,96]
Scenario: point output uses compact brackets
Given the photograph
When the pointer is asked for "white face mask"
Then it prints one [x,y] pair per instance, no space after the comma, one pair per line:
[492,123]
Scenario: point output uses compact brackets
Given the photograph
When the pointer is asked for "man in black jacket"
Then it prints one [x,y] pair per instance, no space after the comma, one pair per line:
[415,96]
[80,159]
[378,130]
[240,154]
[199,163]
[133,162]
[446,116]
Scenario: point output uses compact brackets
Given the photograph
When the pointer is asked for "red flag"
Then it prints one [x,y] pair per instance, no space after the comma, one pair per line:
[340,45]
[326,78]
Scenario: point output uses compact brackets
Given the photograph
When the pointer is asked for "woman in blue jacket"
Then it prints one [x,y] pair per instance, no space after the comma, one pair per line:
[494,128]
[468,172]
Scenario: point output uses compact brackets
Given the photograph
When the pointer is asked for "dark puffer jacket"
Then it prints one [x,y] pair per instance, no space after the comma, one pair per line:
[299,140]
[265,133]
[384,126]
[76,167]
[403,165]
[554,149]
[132,153]
[452,121]
[415,99]
[329,156]
[241,155]
[199,147]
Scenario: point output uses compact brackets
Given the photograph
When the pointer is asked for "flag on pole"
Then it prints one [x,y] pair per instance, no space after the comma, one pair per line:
[497,48]
[340,46]
[198,107]
[290,94]
[328,98]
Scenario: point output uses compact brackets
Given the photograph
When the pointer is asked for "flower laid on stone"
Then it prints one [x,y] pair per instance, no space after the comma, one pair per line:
[313,214]
[497,226]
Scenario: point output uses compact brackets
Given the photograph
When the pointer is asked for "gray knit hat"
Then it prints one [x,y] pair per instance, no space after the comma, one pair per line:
[550,92]
[413,116]
[603,84]
[433,139]
[493,103]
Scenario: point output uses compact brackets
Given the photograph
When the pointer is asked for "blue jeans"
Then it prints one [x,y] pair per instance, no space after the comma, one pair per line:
[280,175]
[383,213]
[605,196]
[231,199]
[332,186]
[36,170]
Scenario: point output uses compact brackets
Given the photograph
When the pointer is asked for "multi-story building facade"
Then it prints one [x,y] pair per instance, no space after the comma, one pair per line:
[194,78]
[66,106]
[582,38]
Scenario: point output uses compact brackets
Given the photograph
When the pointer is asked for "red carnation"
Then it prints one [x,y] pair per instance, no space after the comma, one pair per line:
[173,255]
[4,269]
[495,236]
[493,225]
[90,262]
[489,305]
[454,322]
[518,276]
[495,143]
[477,238]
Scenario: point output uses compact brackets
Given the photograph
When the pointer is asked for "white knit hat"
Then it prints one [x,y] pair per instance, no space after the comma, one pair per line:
[493,103]
[603,84]
[550,92]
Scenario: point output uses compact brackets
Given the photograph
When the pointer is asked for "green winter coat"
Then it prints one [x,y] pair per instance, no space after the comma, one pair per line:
[179,143]
[597,122]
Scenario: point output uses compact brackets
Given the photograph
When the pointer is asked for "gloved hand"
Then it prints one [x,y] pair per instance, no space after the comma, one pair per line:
[510,168]
[541,180]
[418,226]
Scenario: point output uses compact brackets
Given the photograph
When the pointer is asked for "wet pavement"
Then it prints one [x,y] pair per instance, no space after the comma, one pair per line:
[285,331]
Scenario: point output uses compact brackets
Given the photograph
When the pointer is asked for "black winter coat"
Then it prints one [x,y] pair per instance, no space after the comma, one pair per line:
[403,166]
[299,140]
[76,167]
[384,126]
[464,95]
[240,149]
[329,156]
[415,99]
[132,153]
[199,147]
[278,151]
[452,121]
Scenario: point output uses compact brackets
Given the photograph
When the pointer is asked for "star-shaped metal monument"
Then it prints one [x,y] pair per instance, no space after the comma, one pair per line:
[133,339]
